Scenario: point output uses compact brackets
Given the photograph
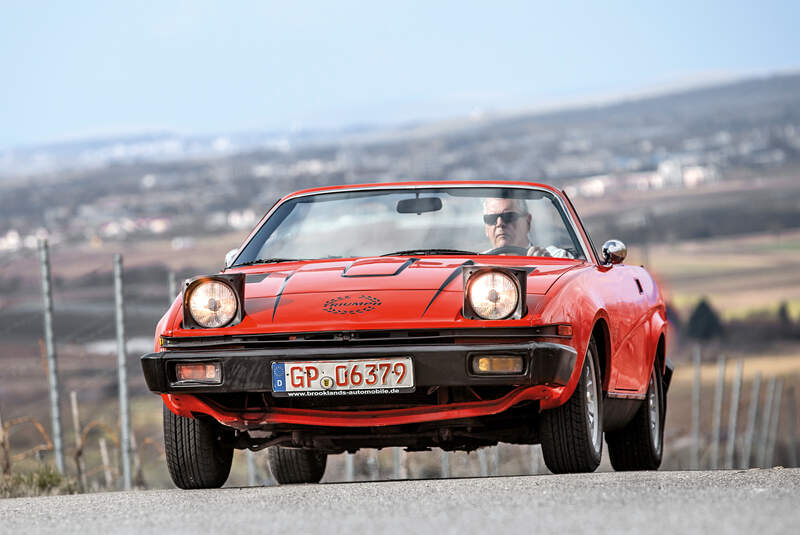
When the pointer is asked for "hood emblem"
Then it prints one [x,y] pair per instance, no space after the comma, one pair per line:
[347,304]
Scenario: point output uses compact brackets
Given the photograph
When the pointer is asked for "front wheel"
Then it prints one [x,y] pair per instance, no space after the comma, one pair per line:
[198,456]
[572,434]
[640,444]
[294,465]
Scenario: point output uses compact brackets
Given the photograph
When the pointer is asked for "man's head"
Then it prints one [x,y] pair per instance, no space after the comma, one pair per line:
[507,222]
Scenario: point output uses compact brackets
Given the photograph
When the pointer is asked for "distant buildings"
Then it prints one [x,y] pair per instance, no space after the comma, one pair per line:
[171,187]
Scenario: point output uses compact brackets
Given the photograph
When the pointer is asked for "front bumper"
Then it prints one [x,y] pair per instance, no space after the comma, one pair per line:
[250,370]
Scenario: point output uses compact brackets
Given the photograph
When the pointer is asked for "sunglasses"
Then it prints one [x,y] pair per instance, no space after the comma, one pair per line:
[505,217]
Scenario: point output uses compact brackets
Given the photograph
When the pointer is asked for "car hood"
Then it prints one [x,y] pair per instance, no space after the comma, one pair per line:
[390,273]
[369,293]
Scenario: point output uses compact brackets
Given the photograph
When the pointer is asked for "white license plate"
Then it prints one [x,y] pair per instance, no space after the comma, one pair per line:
[393,375]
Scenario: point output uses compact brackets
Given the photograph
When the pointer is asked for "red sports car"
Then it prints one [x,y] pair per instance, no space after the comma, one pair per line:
[428,314]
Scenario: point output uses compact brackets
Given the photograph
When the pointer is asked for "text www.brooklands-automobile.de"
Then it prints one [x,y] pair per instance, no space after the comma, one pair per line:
[346,392]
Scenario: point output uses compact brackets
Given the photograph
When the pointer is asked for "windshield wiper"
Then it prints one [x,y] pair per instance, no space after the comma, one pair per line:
[423,252]
[268,261]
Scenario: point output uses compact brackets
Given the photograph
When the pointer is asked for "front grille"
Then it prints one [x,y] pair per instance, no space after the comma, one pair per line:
[355,338]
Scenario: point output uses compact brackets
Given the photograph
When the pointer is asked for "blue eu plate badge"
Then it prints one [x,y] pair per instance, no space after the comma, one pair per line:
[278,377]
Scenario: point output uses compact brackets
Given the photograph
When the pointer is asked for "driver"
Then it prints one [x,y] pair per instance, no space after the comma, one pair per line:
[508,225]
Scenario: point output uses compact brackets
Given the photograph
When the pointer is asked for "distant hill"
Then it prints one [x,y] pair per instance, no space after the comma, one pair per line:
[697,111]
[162,183]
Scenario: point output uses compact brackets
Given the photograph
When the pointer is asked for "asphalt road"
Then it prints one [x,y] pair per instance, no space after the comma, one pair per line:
[753,501]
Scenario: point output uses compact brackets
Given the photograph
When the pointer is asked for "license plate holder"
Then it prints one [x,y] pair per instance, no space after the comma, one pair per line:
[343,377]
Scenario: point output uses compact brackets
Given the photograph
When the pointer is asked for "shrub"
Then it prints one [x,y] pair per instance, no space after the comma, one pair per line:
[704,323]
[43,482]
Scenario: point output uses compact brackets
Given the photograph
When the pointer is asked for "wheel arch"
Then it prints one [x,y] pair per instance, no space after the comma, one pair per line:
[661,353]
[602,339]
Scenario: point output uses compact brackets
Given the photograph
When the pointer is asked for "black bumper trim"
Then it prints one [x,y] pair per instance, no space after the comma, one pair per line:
[250,370]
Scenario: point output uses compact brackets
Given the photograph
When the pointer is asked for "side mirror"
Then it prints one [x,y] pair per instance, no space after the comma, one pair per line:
[614,252]
[230,256]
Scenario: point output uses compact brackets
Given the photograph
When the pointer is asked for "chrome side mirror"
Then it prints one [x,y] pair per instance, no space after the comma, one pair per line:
[614,252]
[230,256]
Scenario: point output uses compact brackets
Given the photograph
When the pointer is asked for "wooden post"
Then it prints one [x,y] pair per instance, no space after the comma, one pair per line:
[733,413]
[4,448]
[773,426]
[76,426]
[106,463]
[716,422]
[761,453]
[694,457]
[747,451]
[138,469]
[792,446]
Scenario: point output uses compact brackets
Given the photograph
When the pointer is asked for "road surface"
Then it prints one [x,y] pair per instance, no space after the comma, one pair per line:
[752,502]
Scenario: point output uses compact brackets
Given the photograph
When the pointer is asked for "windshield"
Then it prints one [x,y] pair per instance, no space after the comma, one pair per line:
[465,220]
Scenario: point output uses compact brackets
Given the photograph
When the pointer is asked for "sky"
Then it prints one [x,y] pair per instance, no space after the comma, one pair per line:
[78,69]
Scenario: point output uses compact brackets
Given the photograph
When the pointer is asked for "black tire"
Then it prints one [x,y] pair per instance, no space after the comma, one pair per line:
[640,444]
[294,465]
[572,438]
[197,456]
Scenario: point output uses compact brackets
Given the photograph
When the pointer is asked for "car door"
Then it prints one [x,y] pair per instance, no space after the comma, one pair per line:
[626,306]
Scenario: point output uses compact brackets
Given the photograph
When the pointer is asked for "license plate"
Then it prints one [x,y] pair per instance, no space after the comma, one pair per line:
[343,377]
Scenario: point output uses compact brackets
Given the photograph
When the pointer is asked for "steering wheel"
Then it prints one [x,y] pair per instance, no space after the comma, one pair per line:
[508,249]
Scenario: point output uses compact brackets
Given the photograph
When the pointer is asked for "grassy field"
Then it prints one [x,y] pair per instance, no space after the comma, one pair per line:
[740,276]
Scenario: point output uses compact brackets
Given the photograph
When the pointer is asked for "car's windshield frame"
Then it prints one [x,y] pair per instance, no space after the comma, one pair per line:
[571,225]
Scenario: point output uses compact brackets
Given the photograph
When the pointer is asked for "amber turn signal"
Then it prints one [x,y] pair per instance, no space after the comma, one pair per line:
[565,330]
[497,364]
[198,372]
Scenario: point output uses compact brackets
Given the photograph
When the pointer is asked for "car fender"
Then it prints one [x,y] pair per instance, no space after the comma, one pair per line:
[572,300]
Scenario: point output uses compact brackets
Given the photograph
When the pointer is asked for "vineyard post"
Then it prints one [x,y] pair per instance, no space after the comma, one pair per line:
[106,463]
[122,374]
[694,461]
[76,424]
[751,423]
[733,415]
[716,421]
[792,402]
[4,447]
[761,453]
[138,468]
[773,426]
[50,348]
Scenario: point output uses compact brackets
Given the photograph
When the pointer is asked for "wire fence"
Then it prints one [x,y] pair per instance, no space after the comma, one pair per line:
[756,432]
[753,416]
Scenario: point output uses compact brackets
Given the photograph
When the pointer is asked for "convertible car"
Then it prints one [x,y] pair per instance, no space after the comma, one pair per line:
[428,314]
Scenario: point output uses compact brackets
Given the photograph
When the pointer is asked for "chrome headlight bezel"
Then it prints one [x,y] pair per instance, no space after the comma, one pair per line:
[517,277]
[234,281]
